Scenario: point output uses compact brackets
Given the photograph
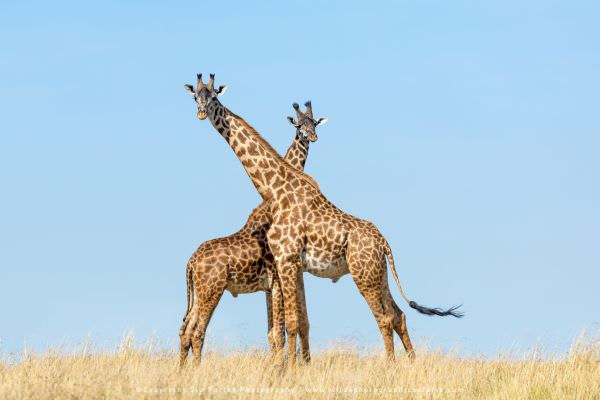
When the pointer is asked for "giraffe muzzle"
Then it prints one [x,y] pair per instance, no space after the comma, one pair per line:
[313,137]
[201,115]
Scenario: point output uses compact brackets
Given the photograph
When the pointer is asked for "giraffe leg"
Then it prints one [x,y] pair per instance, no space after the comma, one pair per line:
[382,315]
[186,336]
[401,330]
[204,315]
[288,274]
[185,339]
[303,321]
[270,338]
[277,332]
[206,300]
[369,274]
[286,249]
[189,321]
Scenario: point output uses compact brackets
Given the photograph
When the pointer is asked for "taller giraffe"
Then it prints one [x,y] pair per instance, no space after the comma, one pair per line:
[242,262]
[308,229]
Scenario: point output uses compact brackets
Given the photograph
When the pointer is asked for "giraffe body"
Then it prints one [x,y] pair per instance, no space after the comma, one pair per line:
[308,229]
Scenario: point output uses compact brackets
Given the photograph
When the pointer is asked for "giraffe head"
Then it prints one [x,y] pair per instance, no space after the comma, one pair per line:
[305,123]
[204,94]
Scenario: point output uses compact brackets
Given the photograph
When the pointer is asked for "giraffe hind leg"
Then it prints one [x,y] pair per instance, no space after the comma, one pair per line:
[205,308]
[185,335]
[401,329]
[383,316]
[368,269]
[204,301]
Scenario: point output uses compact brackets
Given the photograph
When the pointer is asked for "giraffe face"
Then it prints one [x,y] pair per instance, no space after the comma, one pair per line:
[204,94]
[202,99]
[305,123]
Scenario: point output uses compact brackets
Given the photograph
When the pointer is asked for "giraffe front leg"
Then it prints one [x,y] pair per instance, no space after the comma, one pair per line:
[287,270]
[269,301]
[286,249]
[278,315]
[303,319]
[275,313]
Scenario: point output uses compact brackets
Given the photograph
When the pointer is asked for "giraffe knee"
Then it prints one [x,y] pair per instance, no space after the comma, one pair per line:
[186,343]
[182,329]
[276,339]
[271,338]
[198,335]
[292,327]
[386,322]
[403,319]
[306,325]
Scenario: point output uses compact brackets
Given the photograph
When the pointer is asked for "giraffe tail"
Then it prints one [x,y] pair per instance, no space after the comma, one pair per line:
[453,311]
[189,279]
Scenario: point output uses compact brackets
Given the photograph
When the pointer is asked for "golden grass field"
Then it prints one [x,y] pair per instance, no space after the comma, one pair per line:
[138,373]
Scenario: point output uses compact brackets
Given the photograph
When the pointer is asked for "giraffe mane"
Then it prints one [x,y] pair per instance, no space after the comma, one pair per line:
[267,146]
[304,176]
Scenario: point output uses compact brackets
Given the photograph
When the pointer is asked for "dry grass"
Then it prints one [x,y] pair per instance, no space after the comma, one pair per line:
[137,373]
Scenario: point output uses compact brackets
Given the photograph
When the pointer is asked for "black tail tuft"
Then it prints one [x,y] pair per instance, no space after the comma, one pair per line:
[437,311]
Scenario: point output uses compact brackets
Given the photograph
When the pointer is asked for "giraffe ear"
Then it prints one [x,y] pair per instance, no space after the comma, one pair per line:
[222,89]
[189,88]
[321,121]
[293,121]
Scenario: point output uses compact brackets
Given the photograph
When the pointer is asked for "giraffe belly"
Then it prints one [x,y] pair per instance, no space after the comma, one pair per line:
[238,283]
[236,288]
[324,265]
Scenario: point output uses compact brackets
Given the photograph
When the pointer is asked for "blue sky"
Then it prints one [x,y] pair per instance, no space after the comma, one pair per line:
[467,131]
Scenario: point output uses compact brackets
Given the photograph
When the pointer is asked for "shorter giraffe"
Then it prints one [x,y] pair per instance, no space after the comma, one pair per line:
[242,262]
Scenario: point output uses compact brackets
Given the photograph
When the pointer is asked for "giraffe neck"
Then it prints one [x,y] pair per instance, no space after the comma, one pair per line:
[265,167]
[297,153]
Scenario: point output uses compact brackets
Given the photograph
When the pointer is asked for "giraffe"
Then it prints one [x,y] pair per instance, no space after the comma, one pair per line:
[308,231]
[242,262]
